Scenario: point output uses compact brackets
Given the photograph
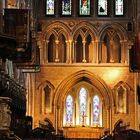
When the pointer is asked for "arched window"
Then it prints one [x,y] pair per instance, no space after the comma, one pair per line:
[69,110]
[82,106]
[83,109]
[49,7]
[119,7]
[66,7]
[96,111]
[84,7]
[102,7]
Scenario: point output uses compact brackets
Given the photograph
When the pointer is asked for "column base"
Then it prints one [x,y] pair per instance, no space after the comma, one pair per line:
[56,60]
[84,60]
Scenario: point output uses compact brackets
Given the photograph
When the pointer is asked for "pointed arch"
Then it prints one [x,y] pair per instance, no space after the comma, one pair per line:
[118,28]
[62,35]
[59,28]
[85,28]
[121,91]
[53,32]
[115,47]
[80,33]
[87,77]
[46,91]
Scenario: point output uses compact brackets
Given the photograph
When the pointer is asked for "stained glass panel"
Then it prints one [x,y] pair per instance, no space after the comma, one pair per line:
[83,105]
[102,7]
[66,7]
[96,110]
[118,7]
[84,7]
[49,7]
[69,110]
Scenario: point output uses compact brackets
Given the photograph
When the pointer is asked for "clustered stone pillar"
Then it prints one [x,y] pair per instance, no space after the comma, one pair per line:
[56,56]
[5,114]
[84,51]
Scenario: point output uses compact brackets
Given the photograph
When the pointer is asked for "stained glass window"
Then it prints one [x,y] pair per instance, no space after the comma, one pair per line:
[66,7]
[118,7]
[49,7]
[96,110]
[69,110]
[82,105]
[102,7]
[84,7]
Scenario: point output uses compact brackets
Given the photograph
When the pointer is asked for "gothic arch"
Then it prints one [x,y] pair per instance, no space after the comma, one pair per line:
[121,93]
[85,28]
[69,82]
[122,83]
[115,27]
[58,28]
[41,91]
[43,84]
[79,33]
[115,39]
[75,78]
[53,32]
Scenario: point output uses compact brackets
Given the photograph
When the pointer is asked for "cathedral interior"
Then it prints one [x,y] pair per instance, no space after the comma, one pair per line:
[69,69]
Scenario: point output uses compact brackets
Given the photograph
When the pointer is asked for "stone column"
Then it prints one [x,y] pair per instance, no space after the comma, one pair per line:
[111,52]
[84,57]
[130,45]
[56,50]
[67,52]
[70,51]
[122,51]
[109,125]
[46,51]
[45,54]
[5,114]
[56,120]
[73,51]
[126,52]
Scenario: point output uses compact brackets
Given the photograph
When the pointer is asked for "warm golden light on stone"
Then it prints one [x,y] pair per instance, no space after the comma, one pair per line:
[111,75]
